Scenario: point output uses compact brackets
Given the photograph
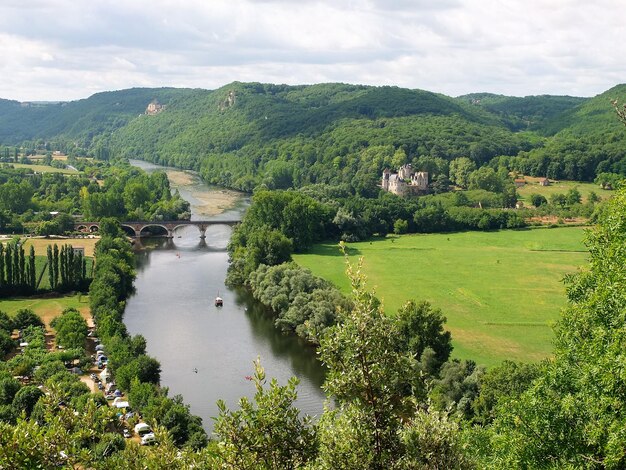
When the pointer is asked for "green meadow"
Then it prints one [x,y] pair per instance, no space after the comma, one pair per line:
[500,291]
[559,187]
[45,169]
[47,307]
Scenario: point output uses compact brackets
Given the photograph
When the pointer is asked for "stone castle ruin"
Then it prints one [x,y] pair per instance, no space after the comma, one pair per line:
[406,181]
[154,108]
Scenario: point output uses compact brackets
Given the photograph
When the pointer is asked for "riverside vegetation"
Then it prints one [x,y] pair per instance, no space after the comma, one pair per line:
[388,402]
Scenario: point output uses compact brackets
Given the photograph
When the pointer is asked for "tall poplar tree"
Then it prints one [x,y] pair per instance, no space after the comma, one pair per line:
[63,265]
[2,281]
[55,265]
[16,265]
[33,270]
[8,262]
[23,279]
[50,268]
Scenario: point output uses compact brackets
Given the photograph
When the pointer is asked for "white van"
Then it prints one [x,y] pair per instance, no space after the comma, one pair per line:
[148,439]
[141,429]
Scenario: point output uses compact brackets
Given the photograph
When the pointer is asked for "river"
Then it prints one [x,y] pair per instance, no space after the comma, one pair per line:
[206,352]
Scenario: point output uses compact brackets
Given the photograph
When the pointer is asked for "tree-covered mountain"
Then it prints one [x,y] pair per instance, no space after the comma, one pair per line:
[81,120]
[249,133]
[529,112]
[246,134]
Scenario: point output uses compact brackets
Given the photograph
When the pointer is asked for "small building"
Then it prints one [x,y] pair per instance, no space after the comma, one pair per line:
[520,182]
[544,182]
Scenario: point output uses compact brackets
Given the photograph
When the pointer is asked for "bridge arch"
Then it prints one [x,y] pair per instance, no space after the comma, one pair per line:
[167,231]
[129,230]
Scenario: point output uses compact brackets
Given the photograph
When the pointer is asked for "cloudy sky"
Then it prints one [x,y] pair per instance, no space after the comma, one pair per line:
[70,49]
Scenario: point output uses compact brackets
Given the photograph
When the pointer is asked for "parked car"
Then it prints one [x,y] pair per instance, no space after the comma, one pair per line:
[142,429]
[148,439]
[126,433]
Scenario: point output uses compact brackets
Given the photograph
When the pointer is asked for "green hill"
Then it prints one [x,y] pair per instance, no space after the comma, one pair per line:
[593,116]
[83,119]
[529,112]
[245,134]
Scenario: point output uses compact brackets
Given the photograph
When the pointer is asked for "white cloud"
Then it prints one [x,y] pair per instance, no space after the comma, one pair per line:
[64,49]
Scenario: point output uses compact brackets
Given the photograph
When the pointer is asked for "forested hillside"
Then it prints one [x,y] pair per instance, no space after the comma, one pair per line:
[529,112]
[246,134]
[80,120]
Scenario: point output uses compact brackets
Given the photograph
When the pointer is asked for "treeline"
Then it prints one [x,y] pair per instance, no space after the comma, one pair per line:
[67,268]
[302,303]
[134,371]
[248,134]
[18,273]
[45,203]
[338,134]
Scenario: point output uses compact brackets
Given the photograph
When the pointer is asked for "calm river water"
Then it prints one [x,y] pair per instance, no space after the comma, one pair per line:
[173,309]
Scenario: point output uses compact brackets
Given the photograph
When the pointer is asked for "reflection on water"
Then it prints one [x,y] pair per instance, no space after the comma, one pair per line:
[173,308]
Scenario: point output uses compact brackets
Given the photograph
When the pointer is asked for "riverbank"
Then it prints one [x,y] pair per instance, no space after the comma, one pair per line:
[191,187]
[206,352]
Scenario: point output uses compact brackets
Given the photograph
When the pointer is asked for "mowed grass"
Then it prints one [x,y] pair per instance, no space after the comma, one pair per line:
[46,169]
[48,308]
[532,186]
[41,244]
[500,291]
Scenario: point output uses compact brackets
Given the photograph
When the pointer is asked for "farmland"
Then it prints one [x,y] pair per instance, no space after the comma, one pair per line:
[500,291]
[532,186]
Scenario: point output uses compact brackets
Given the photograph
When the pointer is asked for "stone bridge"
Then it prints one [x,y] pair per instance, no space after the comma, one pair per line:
[170,226]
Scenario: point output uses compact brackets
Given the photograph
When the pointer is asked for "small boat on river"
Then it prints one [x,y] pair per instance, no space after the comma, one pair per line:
[219,302]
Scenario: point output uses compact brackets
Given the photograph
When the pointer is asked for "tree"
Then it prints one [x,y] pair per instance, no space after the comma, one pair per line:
[538,200]
[573,196]
[368,376]
[400,226]
[268,432]
[486,178]
[71,329]
[26,398]
[8,388]
[420,327]
[25,317]
[50,264]
[6,323]
[460,169]
[572,413]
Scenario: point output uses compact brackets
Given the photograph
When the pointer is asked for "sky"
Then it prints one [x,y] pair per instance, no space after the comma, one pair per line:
[70,49]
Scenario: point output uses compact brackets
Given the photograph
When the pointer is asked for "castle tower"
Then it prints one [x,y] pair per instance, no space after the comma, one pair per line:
[385,182]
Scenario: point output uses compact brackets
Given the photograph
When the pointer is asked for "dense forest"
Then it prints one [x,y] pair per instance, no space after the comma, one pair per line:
[246,134]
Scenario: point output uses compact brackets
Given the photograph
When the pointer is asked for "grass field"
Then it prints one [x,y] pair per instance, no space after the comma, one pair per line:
[41,244]
[46,169]
[532,186]
[500,291]
[48,308]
